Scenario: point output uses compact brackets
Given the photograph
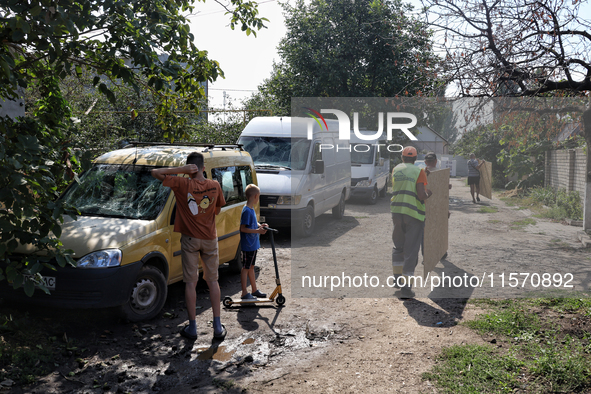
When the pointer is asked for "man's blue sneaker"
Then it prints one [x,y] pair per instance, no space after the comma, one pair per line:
[248,296]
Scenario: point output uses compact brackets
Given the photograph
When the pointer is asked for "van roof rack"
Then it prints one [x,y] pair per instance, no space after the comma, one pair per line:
[208,146]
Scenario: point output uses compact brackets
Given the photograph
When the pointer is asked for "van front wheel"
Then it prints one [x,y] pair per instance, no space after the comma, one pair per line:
[307,225]
[147,295]
[373,198]
[339,211]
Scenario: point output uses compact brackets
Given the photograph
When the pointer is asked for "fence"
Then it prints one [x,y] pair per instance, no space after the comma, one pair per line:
[565,169]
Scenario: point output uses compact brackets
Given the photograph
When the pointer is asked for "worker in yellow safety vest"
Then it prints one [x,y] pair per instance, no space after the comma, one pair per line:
[408,216]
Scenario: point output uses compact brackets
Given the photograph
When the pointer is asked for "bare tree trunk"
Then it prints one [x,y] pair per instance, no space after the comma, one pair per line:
[587,202]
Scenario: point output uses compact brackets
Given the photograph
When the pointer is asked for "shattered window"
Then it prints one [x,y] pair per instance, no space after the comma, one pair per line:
[233,181]
[277,151]
[118,191]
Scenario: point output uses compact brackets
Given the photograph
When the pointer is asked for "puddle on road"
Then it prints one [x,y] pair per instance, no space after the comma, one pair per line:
[218,354]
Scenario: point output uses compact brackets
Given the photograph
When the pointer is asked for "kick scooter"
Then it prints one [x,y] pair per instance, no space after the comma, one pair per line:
[276,296]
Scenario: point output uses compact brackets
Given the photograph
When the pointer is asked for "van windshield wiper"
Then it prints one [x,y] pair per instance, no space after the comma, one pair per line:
[271,166]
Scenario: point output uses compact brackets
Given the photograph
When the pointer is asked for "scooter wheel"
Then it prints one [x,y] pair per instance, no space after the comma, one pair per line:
[227,302]
[280,300]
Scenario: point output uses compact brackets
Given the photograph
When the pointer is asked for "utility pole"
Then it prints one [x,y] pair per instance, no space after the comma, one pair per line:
[224,106]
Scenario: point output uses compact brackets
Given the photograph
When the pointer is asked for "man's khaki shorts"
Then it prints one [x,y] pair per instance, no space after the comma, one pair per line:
[191,248]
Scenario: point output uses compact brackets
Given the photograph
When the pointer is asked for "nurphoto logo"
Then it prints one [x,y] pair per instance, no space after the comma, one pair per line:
[345,128]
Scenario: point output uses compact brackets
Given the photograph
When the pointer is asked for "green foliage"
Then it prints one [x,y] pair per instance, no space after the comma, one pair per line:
[488,210]
[81,47]
[217,132]
[509,320]
[101,35]
[563,204]
[344,48]
[520,224]
[475,369]
[33,155]
[515,144]
[542,358]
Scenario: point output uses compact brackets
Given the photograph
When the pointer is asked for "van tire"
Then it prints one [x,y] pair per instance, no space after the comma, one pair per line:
[373,197]
[308,220]
[147,295]
[339,211]
[236,264]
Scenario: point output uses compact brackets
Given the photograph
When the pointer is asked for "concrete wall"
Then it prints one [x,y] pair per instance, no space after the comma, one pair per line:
[565,169]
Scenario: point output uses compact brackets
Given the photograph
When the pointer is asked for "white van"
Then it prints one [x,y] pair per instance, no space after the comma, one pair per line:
[300,178]
[370,168]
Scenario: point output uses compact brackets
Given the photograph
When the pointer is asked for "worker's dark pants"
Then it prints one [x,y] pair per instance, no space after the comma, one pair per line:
[407,237]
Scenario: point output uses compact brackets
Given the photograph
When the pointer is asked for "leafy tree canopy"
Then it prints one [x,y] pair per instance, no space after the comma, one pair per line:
[117,42]
[344,48]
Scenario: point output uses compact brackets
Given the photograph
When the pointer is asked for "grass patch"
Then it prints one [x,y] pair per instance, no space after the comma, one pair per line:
[495,221]
[475,369]
[520,224]
[570,305]
[548,203]
[542,355]
[488,210]
[507,320]
[510,202]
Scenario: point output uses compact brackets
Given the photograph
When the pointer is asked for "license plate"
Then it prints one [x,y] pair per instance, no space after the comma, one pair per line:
[48,281]
[272,205]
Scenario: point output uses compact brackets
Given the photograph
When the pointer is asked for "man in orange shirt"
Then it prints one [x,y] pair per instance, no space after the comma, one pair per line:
[199,200]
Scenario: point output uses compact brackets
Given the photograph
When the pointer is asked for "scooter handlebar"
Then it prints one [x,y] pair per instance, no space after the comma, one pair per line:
[270,229]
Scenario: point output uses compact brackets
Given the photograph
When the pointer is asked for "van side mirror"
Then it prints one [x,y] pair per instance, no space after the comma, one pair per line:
[318,167]
[381,161]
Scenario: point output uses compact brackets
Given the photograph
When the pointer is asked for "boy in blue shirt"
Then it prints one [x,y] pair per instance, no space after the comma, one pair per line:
[250,229]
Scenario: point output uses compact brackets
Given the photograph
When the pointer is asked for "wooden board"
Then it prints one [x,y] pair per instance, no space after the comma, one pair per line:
[486,180]
[436,220]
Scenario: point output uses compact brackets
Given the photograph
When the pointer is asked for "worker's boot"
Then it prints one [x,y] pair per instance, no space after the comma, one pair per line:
[396,285]
[406,292]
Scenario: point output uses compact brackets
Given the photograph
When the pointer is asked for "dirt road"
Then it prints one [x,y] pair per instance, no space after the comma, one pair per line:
[330,343]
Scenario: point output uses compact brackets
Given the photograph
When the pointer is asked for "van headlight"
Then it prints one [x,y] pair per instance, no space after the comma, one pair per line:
[289,200]
[100,259]
[364,183]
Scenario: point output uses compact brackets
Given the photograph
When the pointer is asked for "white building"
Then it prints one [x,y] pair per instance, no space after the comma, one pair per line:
[429,141]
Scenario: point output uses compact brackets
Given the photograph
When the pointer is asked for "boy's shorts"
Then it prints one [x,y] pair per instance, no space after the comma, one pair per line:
[191,248]
[248,259]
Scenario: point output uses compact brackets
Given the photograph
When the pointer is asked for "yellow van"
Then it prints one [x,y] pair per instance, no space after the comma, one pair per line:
[126,250]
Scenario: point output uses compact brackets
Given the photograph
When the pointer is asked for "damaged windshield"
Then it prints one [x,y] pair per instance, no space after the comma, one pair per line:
[362,155]
[289,153]
[118,191]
